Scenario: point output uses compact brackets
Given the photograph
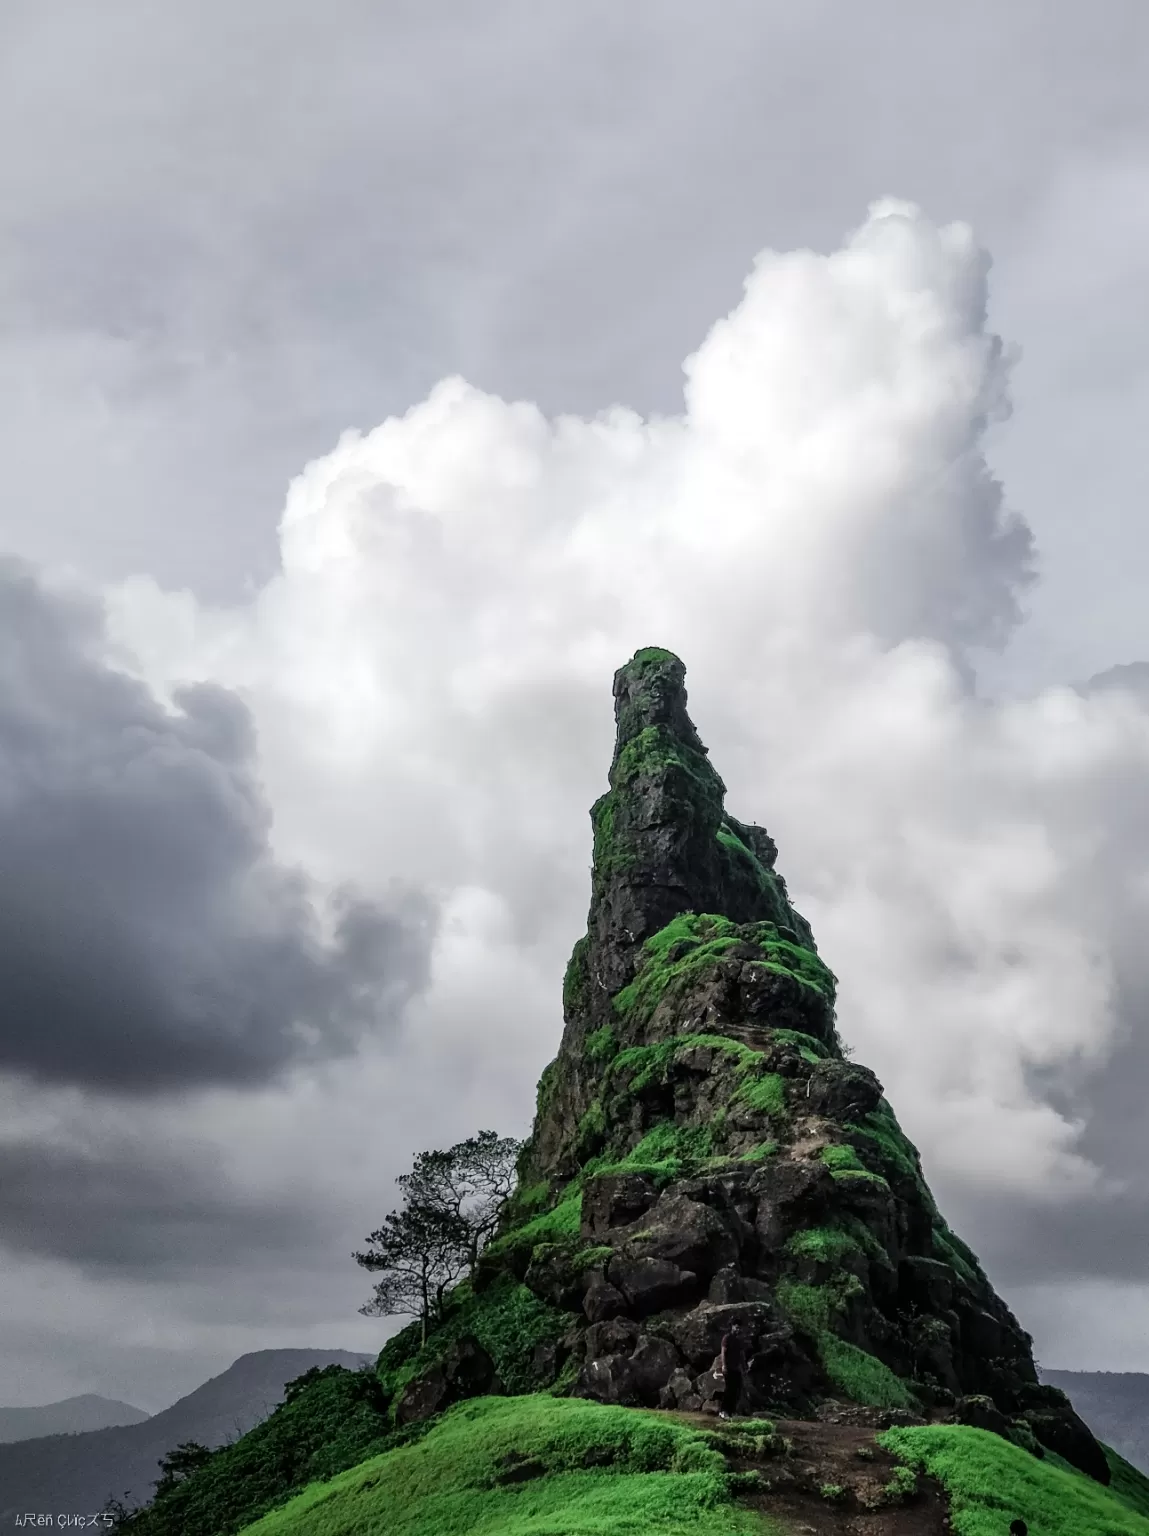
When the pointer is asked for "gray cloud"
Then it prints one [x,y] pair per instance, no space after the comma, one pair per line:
[133,1208]
[148,939]
[215,254]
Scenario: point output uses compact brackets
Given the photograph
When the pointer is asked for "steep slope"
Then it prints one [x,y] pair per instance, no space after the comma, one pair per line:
[70,1416]
[705,1156]
[75,1474]
[1115,1405]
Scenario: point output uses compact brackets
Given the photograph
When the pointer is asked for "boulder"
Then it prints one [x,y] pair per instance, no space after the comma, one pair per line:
[553,1276]
[652,1365]
[790,1194]
[780,1371]
[730,1285]
[842,1091]
[650,1284]
[685,1233]
[466,1370]
[612,1200]
[980,1412]
[618,1336]
[608,1380]
[698,1334]
[678,1388]
[602,1300]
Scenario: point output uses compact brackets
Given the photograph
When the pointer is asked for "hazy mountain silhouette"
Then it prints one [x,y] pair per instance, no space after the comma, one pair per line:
[76,1473]
[70,1416]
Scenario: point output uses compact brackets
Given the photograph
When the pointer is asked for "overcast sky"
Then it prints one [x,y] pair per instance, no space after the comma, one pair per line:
[348,450]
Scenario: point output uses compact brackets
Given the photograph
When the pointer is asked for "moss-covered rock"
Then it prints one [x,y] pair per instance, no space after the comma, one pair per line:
[720,1150]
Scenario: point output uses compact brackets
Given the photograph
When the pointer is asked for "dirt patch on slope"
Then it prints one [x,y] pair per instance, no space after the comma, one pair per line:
[829,1479]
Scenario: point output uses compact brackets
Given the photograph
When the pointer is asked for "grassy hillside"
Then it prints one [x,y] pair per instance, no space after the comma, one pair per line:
[990,1482]
[539,1465]
[529,1465]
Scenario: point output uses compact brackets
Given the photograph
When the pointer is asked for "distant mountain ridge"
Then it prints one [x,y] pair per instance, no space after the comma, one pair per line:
[76,1473]
[70,1416]
[1115,1405]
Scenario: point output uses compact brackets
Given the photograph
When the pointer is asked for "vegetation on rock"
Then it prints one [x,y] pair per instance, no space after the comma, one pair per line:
[706,1165]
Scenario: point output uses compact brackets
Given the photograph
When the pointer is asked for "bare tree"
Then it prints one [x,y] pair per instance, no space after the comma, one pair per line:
[451,1204]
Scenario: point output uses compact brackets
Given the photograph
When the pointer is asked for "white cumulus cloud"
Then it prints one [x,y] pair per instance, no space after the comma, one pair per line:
[818,536]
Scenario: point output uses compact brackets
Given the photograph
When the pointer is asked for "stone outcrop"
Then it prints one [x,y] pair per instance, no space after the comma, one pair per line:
[705,1158]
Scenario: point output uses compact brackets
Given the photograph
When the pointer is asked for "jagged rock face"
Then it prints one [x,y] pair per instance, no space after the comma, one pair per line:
[704,1156]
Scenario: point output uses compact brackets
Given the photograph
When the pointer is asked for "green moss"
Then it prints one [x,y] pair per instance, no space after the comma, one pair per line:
[527,1466]
[665,1153]
[588,1258]
[811,1049]
[991,1482]
[863,1235]
[611,854]
[508,1320]
[592,1126]
[837,1158]
[654,654]
[892,1147]
[555,1225]
[826,1245]
[745,862]
[765,1093]
[602,1045]
[952,1251]
[754,1084]
[545,1092]
[576,980]
[758,1154]
[693,943]
[655,750]
[859,1176]
[845,1165]
[860,1376]
[647,1064]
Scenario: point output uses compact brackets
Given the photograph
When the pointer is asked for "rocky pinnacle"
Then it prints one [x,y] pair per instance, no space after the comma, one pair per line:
[706,1163]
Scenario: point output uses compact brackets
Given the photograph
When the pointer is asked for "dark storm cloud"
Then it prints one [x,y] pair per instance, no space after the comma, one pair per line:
[148,940]
[1096,1236]
[136,1209]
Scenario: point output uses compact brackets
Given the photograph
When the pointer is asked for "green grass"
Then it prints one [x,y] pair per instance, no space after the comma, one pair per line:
[765,1092]
[892,1146]
[991,1482]
[331,1420]
[641,1066]
[826,1245]
[860,1376]
[666,1152]
[698,941]
[507,1319]
[1131,1486]
[585,1470]
[810,1048]
[602,1045]
[565,1218]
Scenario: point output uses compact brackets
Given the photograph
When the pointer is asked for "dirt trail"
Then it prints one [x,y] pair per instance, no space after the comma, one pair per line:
[830,1479]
